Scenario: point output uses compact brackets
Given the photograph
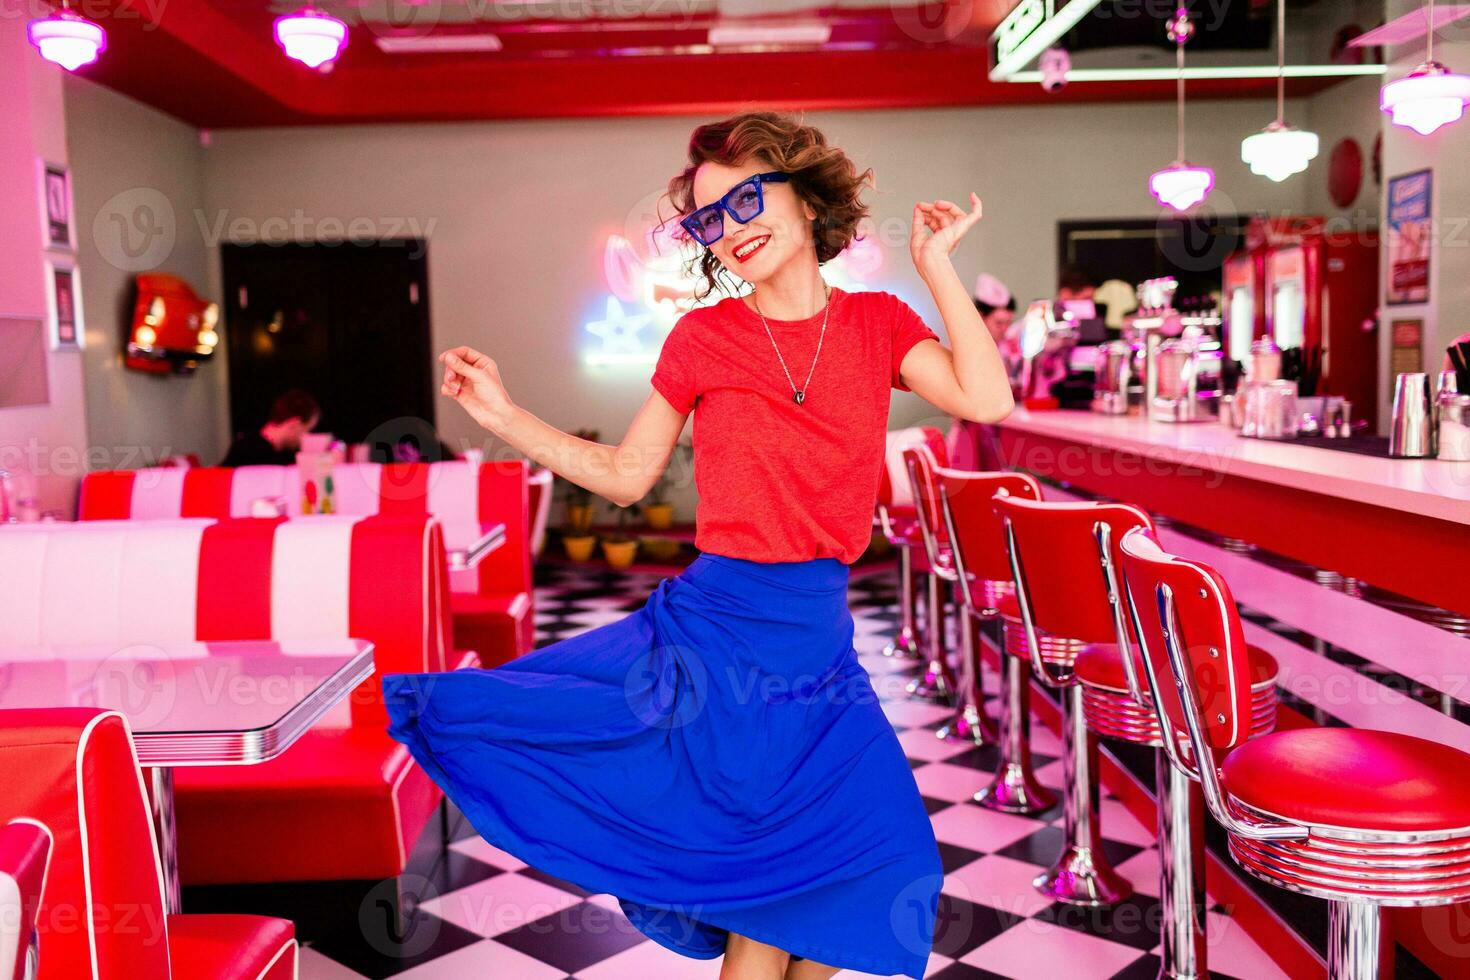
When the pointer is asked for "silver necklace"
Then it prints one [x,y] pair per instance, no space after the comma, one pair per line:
[798,395]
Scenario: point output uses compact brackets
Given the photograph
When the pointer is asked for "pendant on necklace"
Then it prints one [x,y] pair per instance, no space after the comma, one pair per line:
[799,397]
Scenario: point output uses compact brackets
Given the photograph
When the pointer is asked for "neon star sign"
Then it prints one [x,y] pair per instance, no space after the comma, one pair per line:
[621,336]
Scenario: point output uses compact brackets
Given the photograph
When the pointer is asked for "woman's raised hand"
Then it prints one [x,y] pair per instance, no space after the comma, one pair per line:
[473,380]
[938,227]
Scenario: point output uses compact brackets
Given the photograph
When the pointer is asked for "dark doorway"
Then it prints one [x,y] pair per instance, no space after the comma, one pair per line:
[347,321]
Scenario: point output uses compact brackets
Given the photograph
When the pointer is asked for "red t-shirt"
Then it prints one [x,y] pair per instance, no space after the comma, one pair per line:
[779,481]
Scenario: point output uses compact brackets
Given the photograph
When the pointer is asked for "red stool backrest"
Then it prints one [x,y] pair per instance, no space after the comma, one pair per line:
[920,464]
[1057,549]
[74,770]
[1204,628]
[973,527]
[893,466]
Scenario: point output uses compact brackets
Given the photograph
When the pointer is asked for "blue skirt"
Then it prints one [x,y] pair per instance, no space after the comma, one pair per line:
[718,761]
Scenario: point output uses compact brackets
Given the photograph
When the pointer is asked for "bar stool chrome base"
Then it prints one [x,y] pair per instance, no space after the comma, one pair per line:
[1082,875]
[938,682]
[1015,789]
[970,723]
[905,642]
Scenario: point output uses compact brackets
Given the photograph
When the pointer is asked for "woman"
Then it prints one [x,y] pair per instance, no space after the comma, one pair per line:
[976,445]
[718,760]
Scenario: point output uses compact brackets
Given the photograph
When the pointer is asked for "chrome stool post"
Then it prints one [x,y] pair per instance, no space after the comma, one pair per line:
[905,642]
[938,681]
[970,723]
[1354,940]
[1015,789]
[1182,902]
[1082,874]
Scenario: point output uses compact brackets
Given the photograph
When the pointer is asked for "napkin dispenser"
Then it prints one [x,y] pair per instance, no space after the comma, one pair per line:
[1188,384]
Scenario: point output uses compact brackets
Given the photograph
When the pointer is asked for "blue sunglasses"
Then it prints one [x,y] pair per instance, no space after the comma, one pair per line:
[743,202]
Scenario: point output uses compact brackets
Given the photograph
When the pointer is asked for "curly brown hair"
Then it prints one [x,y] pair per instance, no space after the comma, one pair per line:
[821,175]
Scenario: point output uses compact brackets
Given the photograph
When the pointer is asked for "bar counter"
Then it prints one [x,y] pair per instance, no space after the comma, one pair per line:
[1400,525]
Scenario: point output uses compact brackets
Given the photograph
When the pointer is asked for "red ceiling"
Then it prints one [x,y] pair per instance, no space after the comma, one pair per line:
[213,63]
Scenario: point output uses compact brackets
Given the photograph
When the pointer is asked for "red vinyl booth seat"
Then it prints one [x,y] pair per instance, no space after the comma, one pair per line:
[492,603]
[102,914]
[345,801]
[25,850]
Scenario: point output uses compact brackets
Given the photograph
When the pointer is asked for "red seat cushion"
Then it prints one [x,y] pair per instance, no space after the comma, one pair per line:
[1101,665]
[340,803]
[1344,777]
[227,947]
[499,626]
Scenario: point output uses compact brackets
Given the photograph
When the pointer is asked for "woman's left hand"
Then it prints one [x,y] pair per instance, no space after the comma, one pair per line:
[938,228]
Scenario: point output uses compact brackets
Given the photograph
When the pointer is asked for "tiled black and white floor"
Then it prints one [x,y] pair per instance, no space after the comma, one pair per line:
[494,917]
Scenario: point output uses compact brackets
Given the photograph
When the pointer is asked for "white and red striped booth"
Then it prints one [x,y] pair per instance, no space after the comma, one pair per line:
[345,801]
[101,916]
[491,603]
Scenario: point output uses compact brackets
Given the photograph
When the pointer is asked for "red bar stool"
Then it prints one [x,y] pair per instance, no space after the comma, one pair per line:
[937,682]
[1363,819]
[969,722]
[1118,704]
[1063,608]
[899,523]
[987,592]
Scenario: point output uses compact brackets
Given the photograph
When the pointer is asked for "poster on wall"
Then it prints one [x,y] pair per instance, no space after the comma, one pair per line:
[1410,238]
[64,299]
[1406,351]
[56,206]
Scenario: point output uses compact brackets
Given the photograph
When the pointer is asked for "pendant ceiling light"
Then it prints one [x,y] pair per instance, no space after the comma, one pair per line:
[1428,97]
[1279,150]
[67,39]
[311,37]
[1179,185]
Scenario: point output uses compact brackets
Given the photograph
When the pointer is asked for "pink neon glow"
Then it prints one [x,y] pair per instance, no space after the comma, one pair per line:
[67,40]
[1181,186]
[311,37]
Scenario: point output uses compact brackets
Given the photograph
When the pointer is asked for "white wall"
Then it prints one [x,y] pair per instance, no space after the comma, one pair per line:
[47,440]
[132,166]
[517,212]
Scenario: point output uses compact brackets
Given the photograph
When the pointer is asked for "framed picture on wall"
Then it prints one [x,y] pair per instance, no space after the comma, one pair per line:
[1410,237]
[56,207]
[64,304]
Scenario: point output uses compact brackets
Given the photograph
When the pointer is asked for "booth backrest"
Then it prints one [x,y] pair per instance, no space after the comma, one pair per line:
[460,495]
[74,770]
[380,579]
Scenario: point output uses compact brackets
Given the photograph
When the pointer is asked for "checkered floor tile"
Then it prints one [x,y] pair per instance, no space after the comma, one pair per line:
[496,918]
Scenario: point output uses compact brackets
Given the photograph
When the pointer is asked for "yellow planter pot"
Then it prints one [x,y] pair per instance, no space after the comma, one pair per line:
[660,517]
[579,516]
[620,554]
[579,547]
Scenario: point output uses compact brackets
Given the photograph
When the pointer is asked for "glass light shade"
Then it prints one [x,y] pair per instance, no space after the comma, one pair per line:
[1427,98]
[1181,186]
[67,40]
[1279,151]
[311,37]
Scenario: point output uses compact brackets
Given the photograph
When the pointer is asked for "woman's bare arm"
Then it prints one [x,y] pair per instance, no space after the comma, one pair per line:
[622,474]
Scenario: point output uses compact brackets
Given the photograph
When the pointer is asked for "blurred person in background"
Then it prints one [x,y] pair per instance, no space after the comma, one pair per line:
[293,414]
